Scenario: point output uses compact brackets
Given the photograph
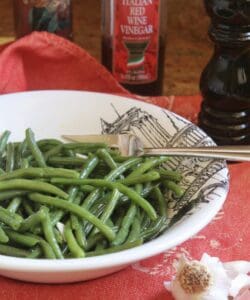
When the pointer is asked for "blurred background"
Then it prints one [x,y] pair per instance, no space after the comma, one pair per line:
[188,46]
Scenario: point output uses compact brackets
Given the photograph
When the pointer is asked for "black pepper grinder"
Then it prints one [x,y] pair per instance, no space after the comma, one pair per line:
[225,82]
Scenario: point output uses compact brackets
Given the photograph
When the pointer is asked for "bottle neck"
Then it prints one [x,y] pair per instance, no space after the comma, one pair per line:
[232,35]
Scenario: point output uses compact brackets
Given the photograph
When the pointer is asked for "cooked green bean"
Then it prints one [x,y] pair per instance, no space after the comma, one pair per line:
[73,246]
[66,161]
[10,157]
[84,147]
[66,200]
[90,165]
[14,204]
[171,185]
[160,200]
[36,152]
[32,221]
[50,236]
[170,175]
[47,172]
[11,219]
[24,163]
[157,227]
[134,233]
[104,154]
[11,194]
[31,185]
[47,250]
[149,164]
[53,151]
[114,249]
[147,177]
[75,209]
[3,142]
[125,226]
[135,197]
[21,239]
[13,251]
[3,237]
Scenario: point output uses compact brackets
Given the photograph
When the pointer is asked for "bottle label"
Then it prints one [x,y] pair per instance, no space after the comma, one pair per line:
[136,40]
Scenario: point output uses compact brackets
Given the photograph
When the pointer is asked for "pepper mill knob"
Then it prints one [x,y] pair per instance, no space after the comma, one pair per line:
[225,82]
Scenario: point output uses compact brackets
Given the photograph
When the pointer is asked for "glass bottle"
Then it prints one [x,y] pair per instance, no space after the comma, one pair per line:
[133,43]
[225,82]
[54,16]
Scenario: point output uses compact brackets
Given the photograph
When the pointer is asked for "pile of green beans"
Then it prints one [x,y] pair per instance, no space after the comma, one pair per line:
[73,200]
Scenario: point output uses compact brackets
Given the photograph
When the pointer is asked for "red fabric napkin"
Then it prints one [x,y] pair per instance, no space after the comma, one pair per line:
[45,61]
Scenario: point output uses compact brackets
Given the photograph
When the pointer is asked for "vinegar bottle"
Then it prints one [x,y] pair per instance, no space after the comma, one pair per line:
[225,82]
[133,43]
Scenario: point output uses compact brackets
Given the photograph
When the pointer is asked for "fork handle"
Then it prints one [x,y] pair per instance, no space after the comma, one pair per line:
[232,153]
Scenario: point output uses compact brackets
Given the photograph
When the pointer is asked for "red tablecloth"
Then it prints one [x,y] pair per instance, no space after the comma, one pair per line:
[44,61]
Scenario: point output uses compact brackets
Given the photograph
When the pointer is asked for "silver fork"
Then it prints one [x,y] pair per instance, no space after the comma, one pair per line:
[131,145]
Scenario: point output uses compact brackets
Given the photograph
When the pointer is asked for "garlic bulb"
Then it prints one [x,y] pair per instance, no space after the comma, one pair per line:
[208,279]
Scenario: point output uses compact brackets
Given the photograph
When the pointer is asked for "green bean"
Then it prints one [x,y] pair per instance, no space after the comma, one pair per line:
[47,250]
[125,226]
[46,142]
[113,249]
[24,163]
[113,199]
[58,236]
[123,168]
[80,237]
[93,241]
[170,175]
[134,233]
[162,204]
[75,209]
[73,246]
[36,152]
[66,161]
[149,164]
[90,165]
[172,186]
[3,237]
[31,185]
[84,147]
[11,219]
[11,194]
[49,234]
[10,157]
[36,252]
[3,142]
[12,251]
[147,177]
[53,151]
[93,196]
[21,239]
[86,188]
[27,208]
[104,154]
[32,221]
[47,172]
[155,229]
[14,204]
[135,197]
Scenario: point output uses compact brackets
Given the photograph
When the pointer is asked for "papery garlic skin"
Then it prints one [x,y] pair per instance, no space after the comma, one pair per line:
[218,288]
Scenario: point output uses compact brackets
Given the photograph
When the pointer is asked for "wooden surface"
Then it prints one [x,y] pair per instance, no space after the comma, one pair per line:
[188,47]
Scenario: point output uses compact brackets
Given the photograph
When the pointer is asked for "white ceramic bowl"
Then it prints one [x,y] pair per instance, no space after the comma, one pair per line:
[53,113]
